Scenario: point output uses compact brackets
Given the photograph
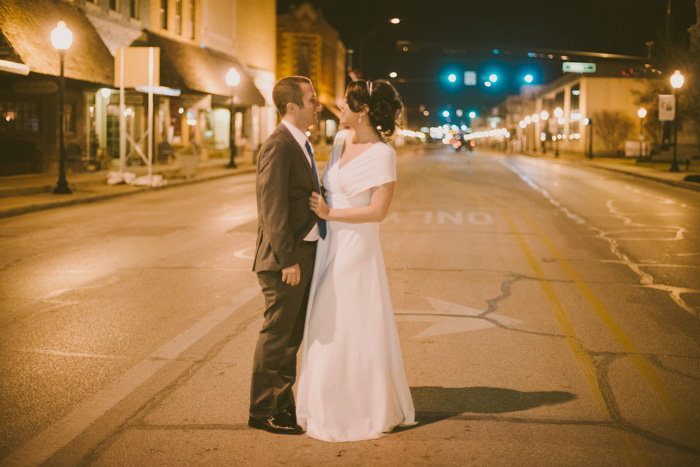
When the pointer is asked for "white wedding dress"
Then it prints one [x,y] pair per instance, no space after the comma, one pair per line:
[352,384]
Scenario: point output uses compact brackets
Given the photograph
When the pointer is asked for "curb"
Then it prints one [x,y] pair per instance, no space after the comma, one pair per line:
[11,212]
[677,183]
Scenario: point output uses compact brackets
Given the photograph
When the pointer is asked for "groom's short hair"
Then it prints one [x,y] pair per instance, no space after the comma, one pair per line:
[288,90]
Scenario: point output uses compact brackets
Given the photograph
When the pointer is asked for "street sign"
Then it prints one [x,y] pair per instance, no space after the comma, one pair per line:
[470,78]
[667,107]
[578,67]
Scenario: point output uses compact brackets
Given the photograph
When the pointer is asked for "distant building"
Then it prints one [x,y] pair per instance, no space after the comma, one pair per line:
[585,98]
[308,46]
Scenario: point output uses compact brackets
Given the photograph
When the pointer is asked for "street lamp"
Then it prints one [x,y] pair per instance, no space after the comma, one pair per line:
[363,62]
[677,80]
[558,114]
[232,80]
[61,38]
[589,123]
[641,113]
[544,117]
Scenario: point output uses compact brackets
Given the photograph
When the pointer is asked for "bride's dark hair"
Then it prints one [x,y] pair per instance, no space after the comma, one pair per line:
[384,103]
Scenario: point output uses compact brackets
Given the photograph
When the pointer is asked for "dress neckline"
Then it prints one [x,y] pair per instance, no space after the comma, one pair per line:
[342,148]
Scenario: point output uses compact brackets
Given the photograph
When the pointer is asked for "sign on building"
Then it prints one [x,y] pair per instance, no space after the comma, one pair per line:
[578,67]
[667,107]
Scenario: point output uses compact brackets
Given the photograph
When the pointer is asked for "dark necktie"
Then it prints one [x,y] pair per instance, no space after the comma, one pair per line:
[321,222]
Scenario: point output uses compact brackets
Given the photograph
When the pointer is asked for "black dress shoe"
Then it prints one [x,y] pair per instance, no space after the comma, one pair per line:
[290,414]
[275,424]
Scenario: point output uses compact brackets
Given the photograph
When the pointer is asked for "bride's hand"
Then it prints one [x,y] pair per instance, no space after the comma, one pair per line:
[318,206]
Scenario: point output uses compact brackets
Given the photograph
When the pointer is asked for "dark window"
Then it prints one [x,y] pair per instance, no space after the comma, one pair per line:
[304,58]
[114,5]
[193,17]
[178,16]
[19,117]
[134,8]
[164,14]
[574,110]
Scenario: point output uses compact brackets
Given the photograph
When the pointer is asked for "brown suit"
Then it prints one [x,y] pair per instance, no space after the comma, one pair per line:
[284,185]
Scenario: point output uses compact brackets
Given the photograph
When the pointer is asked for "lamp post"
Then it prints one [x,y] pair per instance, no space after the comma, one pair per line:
[233,78]
[544,117]
[677,80]
[589,123]
[61,38]
[558,114]
[363,62]
[641,113]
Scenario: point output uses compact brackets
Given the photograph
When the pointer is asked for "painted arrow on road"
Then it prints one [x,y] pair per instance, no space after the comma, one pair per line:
[451,318]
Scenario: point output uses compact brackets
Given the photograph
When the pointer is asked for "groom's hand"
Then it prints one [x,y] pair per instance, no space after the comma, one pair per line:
[291,275]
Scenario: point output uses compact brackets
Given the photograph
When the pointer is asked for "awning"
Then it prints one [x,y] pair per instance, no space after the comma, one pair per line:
[27,25]
[188,67]
[330,111]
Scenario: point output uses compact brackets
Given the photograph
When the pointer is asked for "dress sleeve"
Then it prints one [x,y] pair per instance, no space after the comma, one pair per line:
[375,170]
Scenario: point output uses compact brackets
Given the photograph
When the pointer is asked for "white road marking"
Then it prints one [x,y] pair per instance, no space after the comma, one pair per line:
[60,353]
[462,318]
[442,218]
[245,253]
[39,449]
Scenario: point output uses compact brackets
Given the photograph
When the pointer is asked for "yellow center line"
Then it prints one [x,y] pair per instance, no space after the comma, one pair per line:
[642,365]
[584,359]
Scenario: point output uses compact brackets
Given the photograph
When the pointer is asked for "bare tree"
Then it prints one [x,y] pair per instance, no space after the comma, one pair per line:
[612,127]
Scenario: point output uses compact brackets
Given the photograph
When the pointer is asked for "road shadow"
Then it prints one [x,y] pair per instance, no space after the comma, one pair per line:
[433,403]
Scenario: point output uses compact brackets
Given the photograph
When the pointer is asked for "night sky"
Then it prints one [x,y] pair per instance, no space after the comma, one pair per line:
[464,33]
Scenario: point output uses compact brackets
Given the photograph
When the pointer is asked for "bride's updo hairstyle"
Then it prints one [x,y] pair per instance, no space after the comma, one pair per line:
[381,98]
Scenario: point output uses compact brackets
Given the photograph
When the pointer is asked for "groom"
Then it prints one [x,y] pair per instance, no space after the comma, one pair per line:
[285,253]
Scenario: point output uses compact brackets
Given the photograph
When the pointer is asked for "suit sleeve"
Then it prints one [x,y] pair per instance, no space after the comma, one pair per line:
[273,172]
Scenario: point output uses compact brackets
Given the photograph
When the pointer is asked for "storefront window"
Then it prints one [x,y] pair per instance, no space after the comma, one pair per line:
[19,117]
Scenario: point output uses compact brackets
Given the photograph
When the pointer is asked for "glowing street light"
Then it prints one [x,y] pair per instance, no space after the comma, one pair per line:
[233,79]
[472,114]
[61,39]
[535,118]
[544,115]
[528,78]
[641,113]
[459,112]
[677,80]
[393,74]
[445,113]
[452,77]
[493,77]
[395,20]
[558,112]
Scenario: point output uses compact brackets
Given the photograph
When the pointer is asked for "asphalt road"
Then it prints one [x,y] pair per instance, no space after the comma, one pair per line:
[549,314]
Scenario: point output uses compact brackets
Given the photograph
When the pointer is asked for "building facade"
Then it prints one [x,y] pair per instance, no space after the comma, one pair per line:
[198,41]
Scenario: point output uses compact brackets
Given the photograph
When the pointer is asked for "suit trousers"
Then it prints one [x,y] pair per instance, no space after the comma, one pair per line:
[275,359]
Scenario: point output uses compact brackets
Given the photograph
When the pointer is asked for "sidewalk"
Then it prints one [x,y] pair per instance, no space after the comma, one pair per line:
[657,171]
[21,194]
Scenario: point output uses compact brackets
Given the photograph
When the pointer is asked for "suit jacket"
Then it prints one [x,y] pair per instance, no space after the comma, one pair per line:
[284,184]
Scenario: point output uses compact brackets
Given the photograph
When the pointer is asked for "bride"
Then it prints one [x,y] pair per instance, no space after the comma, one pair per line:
[352,384]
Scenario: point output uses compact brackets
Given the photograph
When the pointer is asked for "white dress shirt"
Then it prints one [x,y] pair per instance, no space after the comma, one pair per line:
[300,137]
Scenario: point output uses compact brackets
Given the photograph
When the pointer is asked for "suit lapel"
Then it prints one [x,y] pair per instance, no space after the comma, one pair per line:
[298,151]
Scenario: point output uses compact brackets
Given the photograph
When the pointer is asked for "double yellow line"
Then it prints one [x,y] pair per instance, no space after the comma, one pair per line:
[645,369]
